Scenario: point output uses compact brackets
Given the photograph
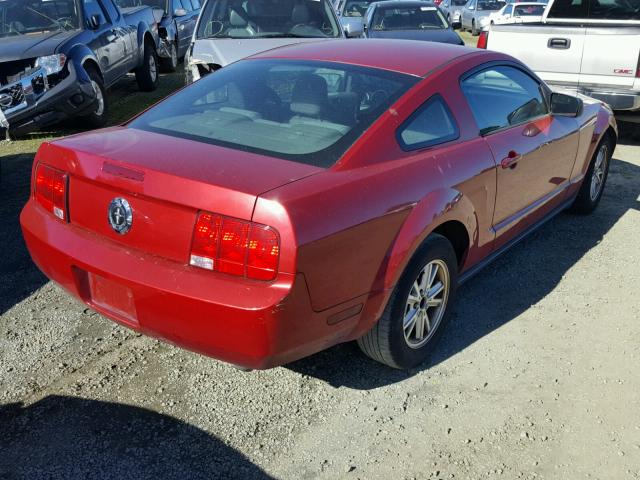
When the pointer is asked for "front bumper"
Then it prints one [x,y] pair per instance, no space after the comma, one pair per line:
[252,324]
[37,104]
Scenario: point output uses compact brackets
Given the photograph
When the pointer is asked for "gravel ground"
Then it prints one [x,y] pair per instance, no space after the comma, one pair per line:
[536,376]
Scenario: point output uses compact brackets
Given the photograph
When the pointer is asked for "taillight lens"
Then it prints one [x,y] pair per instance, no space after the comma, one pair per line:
[51,190]
[236,247]
[483,39]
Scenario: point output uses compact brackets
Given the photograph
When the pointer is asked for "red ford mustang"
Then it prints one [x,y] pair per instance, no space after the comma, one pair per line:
[312,195]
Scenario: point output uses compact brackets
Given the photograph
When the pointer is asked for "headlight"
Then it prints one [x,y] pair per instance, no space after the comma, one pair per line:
[51,63]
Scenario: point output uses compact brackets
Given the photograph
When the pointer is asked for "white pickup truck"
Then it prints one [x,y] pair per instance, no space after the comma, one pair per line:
[587,46]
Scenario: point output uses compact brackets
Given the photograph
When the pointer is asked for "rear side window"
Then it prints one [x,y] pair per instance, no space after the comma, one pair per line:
[431,124]
[503,96]
[596,9]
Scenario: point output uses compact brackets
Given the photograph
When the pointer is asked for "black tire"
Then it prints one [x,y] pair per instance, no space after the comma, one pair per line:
[474,31]
[147,74]
[586,201]
[386,342]
[98,117]
[169,65]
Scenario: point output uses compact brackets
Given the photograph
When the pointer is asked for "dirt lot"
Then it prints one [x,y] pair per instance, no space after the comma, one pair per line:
[536,376]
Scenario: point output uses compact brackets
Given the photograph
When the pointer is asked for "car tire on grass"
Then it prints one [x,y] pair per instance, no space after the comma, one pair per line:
[418,308]
[98,117]
[147,73]
[169,65]
[594,181]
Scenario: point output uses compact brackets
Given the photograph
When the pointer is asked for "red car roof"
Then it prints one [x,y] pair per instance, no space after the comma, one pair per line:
[403,56]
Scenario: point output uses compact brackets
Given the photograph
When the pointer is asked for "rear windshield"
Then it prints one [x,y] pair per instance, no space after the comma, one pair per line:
[24,17]
[596,9]
[528,10]
[409,18]
[268,19]
[308,112]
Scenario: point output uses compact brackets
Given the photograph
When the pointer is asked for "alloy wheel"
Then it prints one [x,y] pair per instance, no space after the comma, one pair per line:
[426,303]
[599,171]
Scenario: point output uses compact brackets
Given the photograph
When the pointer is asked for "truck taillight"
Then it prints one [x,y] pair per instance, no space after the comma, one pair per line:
[51,190]
[483,39]
[236,247]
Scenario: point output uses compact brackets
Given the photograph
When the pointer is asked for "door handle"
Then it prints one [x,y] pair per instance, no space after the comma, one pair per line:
[559,43]
[511,160]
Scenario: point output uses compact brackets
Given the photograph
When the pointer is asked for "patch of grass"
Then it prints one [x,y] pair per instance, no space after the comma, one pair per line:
[469,39]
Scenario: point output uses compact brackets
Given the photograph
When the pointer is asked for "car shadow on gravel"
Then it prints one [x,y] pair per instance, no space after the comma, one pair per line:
[72,438]
[504,290]
[19,277]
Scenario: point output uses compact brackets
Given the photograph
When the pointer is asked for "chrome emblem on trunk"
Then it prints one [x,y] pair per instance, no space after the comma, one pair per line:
[120,215]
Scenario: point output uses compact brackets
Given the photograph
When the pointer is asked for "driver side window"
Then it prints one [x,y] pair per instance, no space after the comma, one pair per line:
[502,97]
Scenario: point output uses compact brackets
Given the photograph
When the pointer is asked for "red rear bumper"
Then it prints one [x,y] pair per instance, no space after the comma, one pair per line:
[248,323]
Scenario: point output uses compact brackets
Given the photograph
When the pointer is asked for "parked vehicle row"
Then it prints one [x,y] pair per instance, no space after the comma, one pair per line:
[58,57]
[587,46]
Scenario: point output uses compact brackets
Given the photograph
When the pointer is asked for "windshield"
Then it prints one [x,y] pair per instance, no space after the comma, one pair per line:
[458,3]
[490,5]
[528,10]
[22,17]
[308,112]
[408,18]
[139,3]
[355,8]
[268,19]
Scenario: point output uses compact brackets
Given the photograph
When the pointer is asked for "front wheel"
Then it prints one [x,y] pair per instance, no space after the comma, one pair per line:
[418,309]
[170,64]
[147,73]
[592,186]
[98,117]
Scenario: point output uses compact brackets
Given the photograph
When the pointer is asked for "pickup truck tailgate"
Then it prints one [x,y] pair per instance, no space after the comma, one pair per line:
[554,53]
[610,57]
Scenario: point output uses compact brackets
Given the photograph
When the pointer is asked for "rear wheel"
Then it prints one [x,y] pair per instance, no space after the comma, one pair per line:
[592,186]
[98,117]
[474,31]
[170,64]
[418,309]
[147,73]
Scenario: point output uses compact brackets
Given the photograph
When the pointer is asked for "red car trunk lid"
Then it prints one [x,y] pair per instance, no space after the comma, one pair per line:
[165,180]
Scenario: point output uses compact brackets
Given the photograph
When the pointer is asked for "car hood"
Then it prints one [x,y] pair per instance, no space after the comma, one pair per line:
[223,51]
[21,47]
[442,36]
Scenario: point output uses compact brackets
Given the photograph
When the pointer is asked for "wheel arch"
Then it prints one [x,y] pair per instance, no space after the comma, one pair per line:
[446,212]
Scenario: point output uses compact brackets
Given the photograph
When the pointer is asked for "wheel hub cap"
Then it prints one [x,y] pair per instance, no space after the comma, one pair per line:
[599,169]
[426,303]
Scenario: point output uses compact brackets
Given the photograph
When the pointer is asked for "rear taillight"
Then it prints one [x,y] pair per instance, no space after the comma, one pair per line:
[483,39]
[51,190]
[236,247]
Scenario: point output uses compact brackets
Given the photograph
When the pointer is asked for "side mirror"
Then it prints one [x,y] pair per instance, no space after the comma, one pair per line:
[95,21]
[565,105]
[353,30]
[179,12]
[471,7]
